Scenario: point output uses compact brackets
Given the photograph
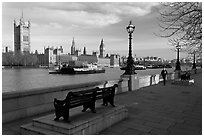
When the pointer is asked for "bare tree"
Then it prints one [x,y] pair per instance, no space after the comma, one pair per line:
[182,22]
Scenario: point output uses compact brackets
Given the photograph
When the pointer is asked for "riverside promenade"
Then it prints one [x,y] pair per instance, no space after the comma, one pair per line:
[162,110]
[158,109]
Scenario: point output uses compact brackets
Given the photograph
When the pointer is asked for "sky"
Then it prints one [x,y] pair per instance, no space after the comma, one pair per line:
[55,24]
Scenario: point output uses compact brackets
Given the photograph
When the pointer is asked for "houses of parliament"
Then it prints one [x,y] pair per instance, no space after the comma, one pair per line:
[54,55]
[76,57]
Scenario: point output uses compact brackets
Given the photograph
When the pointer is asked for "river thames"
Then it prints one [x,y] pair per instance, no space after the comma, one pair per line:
[24,79]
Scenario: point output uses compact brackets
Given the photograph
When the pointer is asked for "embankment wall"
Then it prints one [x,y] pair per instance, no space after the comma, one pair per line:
[16,105]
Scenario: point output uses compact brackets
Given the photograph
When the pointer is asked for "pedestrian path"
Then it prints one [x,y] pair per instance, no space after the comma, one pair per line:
[159,109]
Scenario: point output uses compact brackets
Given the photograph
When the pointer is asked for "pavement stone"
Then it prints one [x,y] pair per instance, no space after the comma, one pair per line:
[157,125]
[159,132]
[164,110]
[136,126]
[131,131]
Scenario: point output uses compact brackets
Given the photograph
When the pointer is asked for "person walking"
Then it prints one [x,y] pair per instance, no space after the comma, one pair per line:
[164,73]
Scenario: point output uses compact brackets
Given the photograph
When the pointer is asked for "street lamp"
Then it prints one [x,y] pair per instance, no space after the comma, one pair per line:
[178,67]
[194,60]
[130,62]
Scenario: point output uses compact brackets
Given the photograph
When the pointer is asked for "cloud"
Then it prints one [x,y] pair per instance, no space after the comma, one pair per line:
[55,25]
[135,9]
[86,14]
[75,18]
[118,8]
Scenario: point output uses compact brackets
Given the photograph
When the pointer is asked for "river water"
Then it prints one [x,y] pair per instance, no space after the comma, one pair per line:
[25,79]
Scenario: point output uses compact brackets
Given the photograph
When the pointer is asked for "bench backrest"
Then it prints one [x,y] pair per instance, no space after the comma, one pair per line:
[105,92]
[78,98]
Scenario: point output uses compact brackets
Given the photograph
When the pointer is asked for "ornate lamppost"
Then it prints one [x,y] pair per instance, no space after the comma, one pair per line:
[194,60]
[130,62]
[178,67]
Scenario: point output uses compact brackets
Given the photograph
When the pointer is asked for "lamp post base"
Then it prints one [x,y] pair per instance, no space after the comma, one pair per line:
[129,73]
[194,66]
[177,74]
[133,81]
[130,69]
[178,67]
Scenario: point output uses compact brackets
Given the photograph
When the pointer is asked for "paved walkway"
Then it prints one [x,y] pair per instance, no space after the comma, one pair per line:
[158,109]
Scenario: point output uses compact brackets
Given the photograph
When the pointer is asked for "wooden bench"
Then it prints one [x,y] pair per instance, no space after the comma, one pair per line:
[85,98]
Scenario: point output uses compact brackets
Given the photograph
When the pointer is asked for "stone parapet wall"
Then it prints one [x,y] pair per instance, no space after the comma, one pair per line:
[16,105]
[134,82]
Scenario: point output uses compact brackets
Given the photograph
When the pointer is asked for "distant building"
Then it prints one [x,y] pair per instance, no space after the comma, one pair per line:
[84,51]
[21,36]
[5,49]
[55,56]
[138,59]
[50,59]
[73,47]
[102,50]
[95,53]
[58,51]
[65,58]
[153,59]
[104,62]
[89,58]
[41,59]
[77,52]
[114,60]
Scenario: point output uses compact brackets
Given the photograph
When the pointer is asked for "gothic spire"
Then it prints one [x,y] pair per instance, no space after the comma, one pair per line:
[73,43]
[84,50]
[102,44]
[22,14]
[21,19]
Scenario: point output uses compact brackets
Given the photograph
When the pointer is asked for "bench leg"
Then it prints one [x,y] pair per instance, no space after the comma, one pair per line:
[57,114]
[111,101]
[105,102]
[58,109]
[92,107]
[56,117]
[85,107]
[66,115]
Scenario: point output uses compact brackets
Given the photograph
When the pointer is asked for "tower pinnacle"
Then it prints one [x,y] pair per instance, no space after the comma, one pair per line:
[73,43]
[73,47]
[21,19]
[22,14]
[102,49]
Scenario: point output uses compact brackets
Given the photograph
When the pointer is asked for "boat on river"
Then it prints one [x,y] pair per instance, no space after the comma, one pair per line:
[158,66]
[136,67]
[139,67]
[88,69]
